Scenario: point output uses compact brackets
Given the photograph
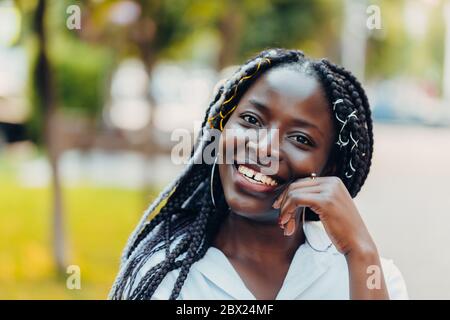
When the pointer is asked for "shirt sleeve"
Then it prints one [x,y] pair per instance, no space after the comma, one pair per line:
[394,281]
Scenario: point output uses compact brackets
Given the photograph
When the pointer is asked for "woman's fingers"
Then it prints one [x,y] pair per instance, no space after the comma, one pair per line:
[307,182]
[290,227]
[285,216]
[299,184]
[301,193]
[280,199]
[289,207]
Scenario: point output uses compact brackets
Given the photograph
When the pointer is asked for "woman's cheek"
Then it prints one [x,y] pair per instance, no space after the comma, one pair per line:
[302,161]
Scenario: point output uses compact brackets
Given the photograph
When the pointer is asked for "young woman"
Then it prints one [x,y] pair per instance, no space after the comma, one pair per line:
[230,230]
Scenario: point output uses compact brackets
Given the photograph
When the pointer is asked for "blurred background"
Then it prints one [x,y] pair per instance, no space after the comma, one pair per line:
[90,92]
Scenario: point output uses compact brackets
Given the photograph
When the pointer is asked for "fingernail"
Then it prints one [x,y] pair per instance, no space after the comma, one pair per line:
[284,219]
[289,229]
[287,232]
[279,223]
[275,205]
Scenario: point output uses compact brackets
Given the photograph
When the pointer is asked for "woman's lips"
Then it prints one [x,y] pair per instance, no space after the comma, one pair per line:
[250,184]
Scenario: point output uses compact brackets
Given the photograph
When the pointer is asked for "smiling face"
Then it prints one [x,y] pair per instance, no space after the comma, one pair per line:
[293,104]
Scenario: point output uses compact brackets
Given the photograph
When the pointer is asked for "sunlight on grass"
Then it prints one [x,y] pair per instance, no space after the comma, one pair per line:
[98,223]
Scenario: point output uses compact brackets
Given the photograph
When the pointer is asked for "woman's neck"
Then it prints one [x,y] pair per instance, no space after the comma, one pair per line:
[242,237]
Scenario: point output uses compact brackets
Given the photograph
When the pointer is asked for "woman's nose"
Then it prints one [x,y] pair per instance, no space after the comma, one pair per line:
[267,147]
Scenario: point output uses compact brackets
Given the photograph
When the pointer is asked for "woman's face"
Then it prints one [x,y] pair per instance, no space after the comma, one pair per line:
[301,133]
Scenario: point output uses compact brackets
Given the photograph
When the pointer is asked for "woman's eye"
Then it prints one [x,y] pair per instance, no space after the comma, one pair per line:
[302,139]
[251,119]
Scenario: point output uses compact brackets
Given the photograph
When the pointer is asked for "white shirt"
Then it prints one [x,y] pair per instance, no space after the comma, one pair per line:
[312,275]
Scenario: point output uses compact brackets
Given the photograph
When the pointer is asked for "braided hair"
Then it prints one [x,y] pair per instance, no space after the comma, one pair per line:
[183,221]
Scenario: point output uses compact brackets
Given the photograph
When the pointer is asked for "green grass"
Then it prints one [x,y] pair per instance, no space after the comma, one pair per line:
[97,222]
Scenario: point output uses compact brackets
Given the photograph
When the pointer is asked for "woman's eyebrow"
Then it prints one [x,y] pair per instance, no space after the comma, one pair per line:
[306,124]
[259,105]
[296,121]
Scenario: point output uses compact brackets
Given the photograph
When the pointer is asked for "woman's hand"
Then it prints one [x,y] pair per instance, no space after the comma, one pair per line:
[329,199]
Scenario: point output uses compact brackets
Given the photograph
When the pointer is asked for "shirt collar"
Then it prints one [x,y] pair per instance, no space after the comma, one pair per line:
[306,267]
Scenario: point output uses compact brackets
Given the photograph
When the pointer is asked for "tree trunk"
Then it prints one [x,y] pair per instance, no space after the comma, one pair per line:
[44,88]
[151,147]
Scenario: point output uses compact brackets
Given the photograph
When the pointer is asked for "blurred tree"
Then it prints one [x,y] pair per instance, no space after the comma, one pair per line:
[410,42]
[66,75]
[242,28]
[46,103]
[291,24]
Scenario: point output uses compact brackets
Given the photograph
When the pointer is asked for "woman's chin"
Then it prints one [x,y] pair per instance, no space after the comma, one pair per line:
[268,215]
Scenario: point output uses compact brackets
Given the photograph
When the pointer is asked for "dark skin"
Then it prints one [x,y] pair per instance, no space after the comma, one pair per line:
[263,230]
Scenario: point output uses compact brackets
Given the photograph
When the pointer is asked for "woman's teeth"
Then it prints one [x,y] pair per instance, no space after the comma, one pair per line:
[257,176]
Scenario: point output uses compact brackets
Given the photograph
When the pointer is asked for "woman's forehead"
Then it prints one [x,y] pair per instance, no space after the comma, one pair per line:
[286,83]
[289,92]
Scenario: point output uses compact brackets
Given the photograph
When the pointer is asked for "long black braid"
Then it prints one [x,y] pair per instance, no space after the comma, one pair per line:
[187,222]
